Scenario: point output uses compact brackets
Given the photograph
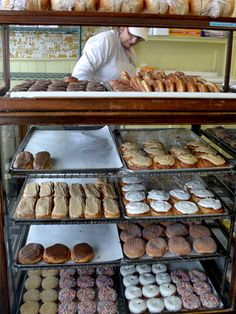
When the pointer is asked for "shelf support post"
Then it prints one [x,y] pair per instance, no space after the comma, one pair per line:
[228,61]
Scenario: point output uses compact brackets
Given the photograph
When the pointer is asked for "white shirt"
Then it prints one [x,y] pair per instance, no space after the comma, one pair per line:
[104,58]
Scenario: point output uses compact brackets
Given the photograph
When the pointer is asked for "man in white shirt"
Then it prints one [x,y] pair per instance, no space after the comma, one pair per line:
[106,54]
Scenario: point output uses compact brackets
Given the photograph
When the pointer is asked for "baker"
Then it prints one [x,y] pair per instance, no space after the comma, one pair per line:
[107,54]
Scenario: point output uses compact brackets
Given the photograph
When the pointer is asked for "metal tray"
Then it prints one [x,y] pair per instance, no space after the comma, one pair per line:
[73,149]
[169,137]
[168,183]
[66,220]
[218,141]
[103,238]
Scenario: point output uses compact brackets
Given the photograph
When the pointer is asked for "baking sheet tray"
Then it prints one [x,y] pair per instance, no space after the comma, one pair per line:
[104,240]
[218,141]
[167,183]
[170,138]
[68,219]
[78,149]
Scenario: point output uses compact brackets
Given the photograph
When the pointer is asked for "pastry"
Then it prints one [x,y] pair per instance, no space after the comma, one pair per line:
[82,253]
[60,189]
[106,306]
[176,229]
[162,278]
[156,247]
[134,153]
[91,191]
[152,231]
[23,160]
[134,248]
[85,281]
[33,282]
[199,231]
[31,295]
[132,187]
[133,292]
[198,194]
[157,195]
[87,306]
[179,276]
[179,246]
[42,160]
[111,208]
[70,79]
[67,282]
[48,308]
[154,151]
[128,146]
[86,294]
[137,306]
[137,209]
[161,208]
[210,206]
[56,254]
[107,293]
[49,295]
[186,161]
[127,270]
[93,208]
[68,307]
[177,195]
[76,207]
[50,272]
[201,287]
[50,282]
[65,272]
[29,307]
[32,272]
[134,196]
[140,163]
[197,275]
[31,190]
[155,305]
[146,279]
[31,253]
[210,160]
[25,208]
[130,231]
[108,191]
[143,268]
[150,291]
[76,190]
[43,207]
[173,303]
[194,184]
[205,245]
[159,268]
[66,294]
[46,189]
[60,209]
[104,281]
[209,300]
[185,208]
[131,180]
[191,302]
[167,289]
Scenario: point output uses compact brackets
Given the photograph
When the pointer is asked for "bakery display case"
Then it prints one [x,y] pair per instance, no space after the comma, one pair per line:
[108,108]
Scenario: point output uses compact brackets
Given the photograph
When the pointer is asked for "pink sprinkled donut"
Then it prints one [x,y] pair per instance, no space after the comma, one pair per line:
[66,294]
[179,275]
[107,293]
[105,270]
[86,294]
[87,307]
[86,271]
[104,281]
[107,307]
[209,300]
[196,275]
[191,302]
[67,272]
[201,287]
[184,288]
[67,307]
[85,282]
[67,282]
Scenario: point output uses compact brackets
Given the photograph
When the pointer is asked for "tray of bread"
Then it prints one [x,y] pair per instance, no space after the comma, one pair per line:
[73,200]
[72,290]
[168,287]
[168,241]
[69,149]
[170,198]
[168,150]
[225,138]
[69,245]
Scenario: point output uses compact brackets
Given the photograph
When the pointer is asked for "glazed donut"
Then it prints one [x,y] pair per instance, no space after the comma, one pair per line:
[146,279]
[162,278]
[159,268]
[150,291]
[155,305]
[133,292]
[127,270]
[173,303]
[137,306]
[130,280]
[167,289]
[143,268]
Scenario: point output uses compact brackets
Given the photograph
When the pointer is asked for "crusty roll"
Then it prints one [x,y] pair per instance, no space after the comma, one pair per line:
[191,87]
[85,5]
[82,253]
[133,6]
[23,160]
[110,5]
[156,6]
[42,160]
[62,5]
[180,7]
[37,5]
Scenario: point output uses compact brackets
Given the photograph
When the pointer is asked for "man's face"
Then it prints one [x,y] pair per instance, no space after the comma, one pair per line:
[128,40]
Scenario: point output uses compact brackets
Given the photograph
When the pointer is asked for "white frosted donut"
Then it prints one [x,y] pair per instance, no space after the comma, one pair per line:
[167,289]
[131,180]
[194,185]
[130,280]
[202,193]
[146,279]
[143,268]
[137,306]
[186,207]
[133,292]
[127,270]
[133,187]
[160,206]
[180,194]
[162,278]
[159,268]
[173,303]
[210,203]
[137,208]
[150,291]
[155,305]
[158,195]
[135,196]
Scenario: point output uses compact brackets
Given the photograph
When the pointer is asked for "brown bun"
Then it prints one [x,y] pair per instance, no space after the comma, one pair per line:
[145,86]
[156,247]
[31,253]
[205,245]
[56,254]
[130,231]
[134,248]
[70,79]
[152,231]
[82,253]
[176,229]
[23,160]
[179,246]
[179,84]
[199,231]
[37,5]
[42,160]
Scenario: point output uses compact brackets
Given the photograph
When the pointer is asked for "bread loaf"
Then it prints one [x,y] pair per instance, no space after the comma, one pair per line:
[85,5]
[133,6]
[110,5]
[180,7]
[42,160]
[37,5]
[156,6]
[62,5]
[24,160]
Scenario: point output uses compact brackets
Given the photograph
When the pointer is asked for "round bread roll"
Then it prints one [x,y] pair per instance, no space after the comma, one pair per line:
[199,231]
[31,295]
[50,282]
[176,229]
[31,253]
[48,308]
[82,253]
[156,6]
[56,254]
[152,231]
[134,248]
[156,247]
[50,272]
[49,295]
[33,282]
[130,231]
[31,307]
[205,245]
[179,246]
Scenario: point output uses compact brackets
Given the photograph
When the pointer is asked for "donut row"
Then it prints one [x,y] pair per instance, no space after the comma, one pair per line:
[225,135]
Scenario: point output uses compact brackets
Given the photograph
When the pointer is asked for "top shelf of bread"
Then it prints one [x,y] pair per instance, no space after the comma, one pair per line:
[115,19]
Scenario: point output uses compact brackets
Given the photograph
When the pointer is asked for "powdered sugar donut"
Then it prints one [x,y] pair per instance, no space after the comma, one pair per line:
[106,307]
[179,275]
[146,279]
[104,281]
[86,294]
[155,305]
[66,294]
[85,282]
[167,289]
[201,287]
[137,306]
[197,275]
[127,270]
[143,268]
[130,280]
[191,302]
[159,268]
[150,291]
[133,292]
[107,293]
[162,278]
[88,307]
[209,300]
[184,288]
[173,303]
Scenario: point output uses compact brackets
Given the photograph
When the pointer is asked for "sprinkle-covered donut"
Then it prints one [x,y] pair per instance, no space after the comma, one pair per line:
[86,294]
[86,271]
[67,282]
[196,275]
[146,279]
[133,292]
[67,272]
[67,307]
[105,270]
[167,289]
[173,303]
[159,268]
[155,305]
[191,302]
[137,306]
[88,307]
[106,307]
[143,268]
[104,281]
[127,270]
[130,280]
[179,275]
[66,294]
[107,293]
[209,300]
[201,287]
[150,291]
[85,282]
[184,288]
[162,278]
